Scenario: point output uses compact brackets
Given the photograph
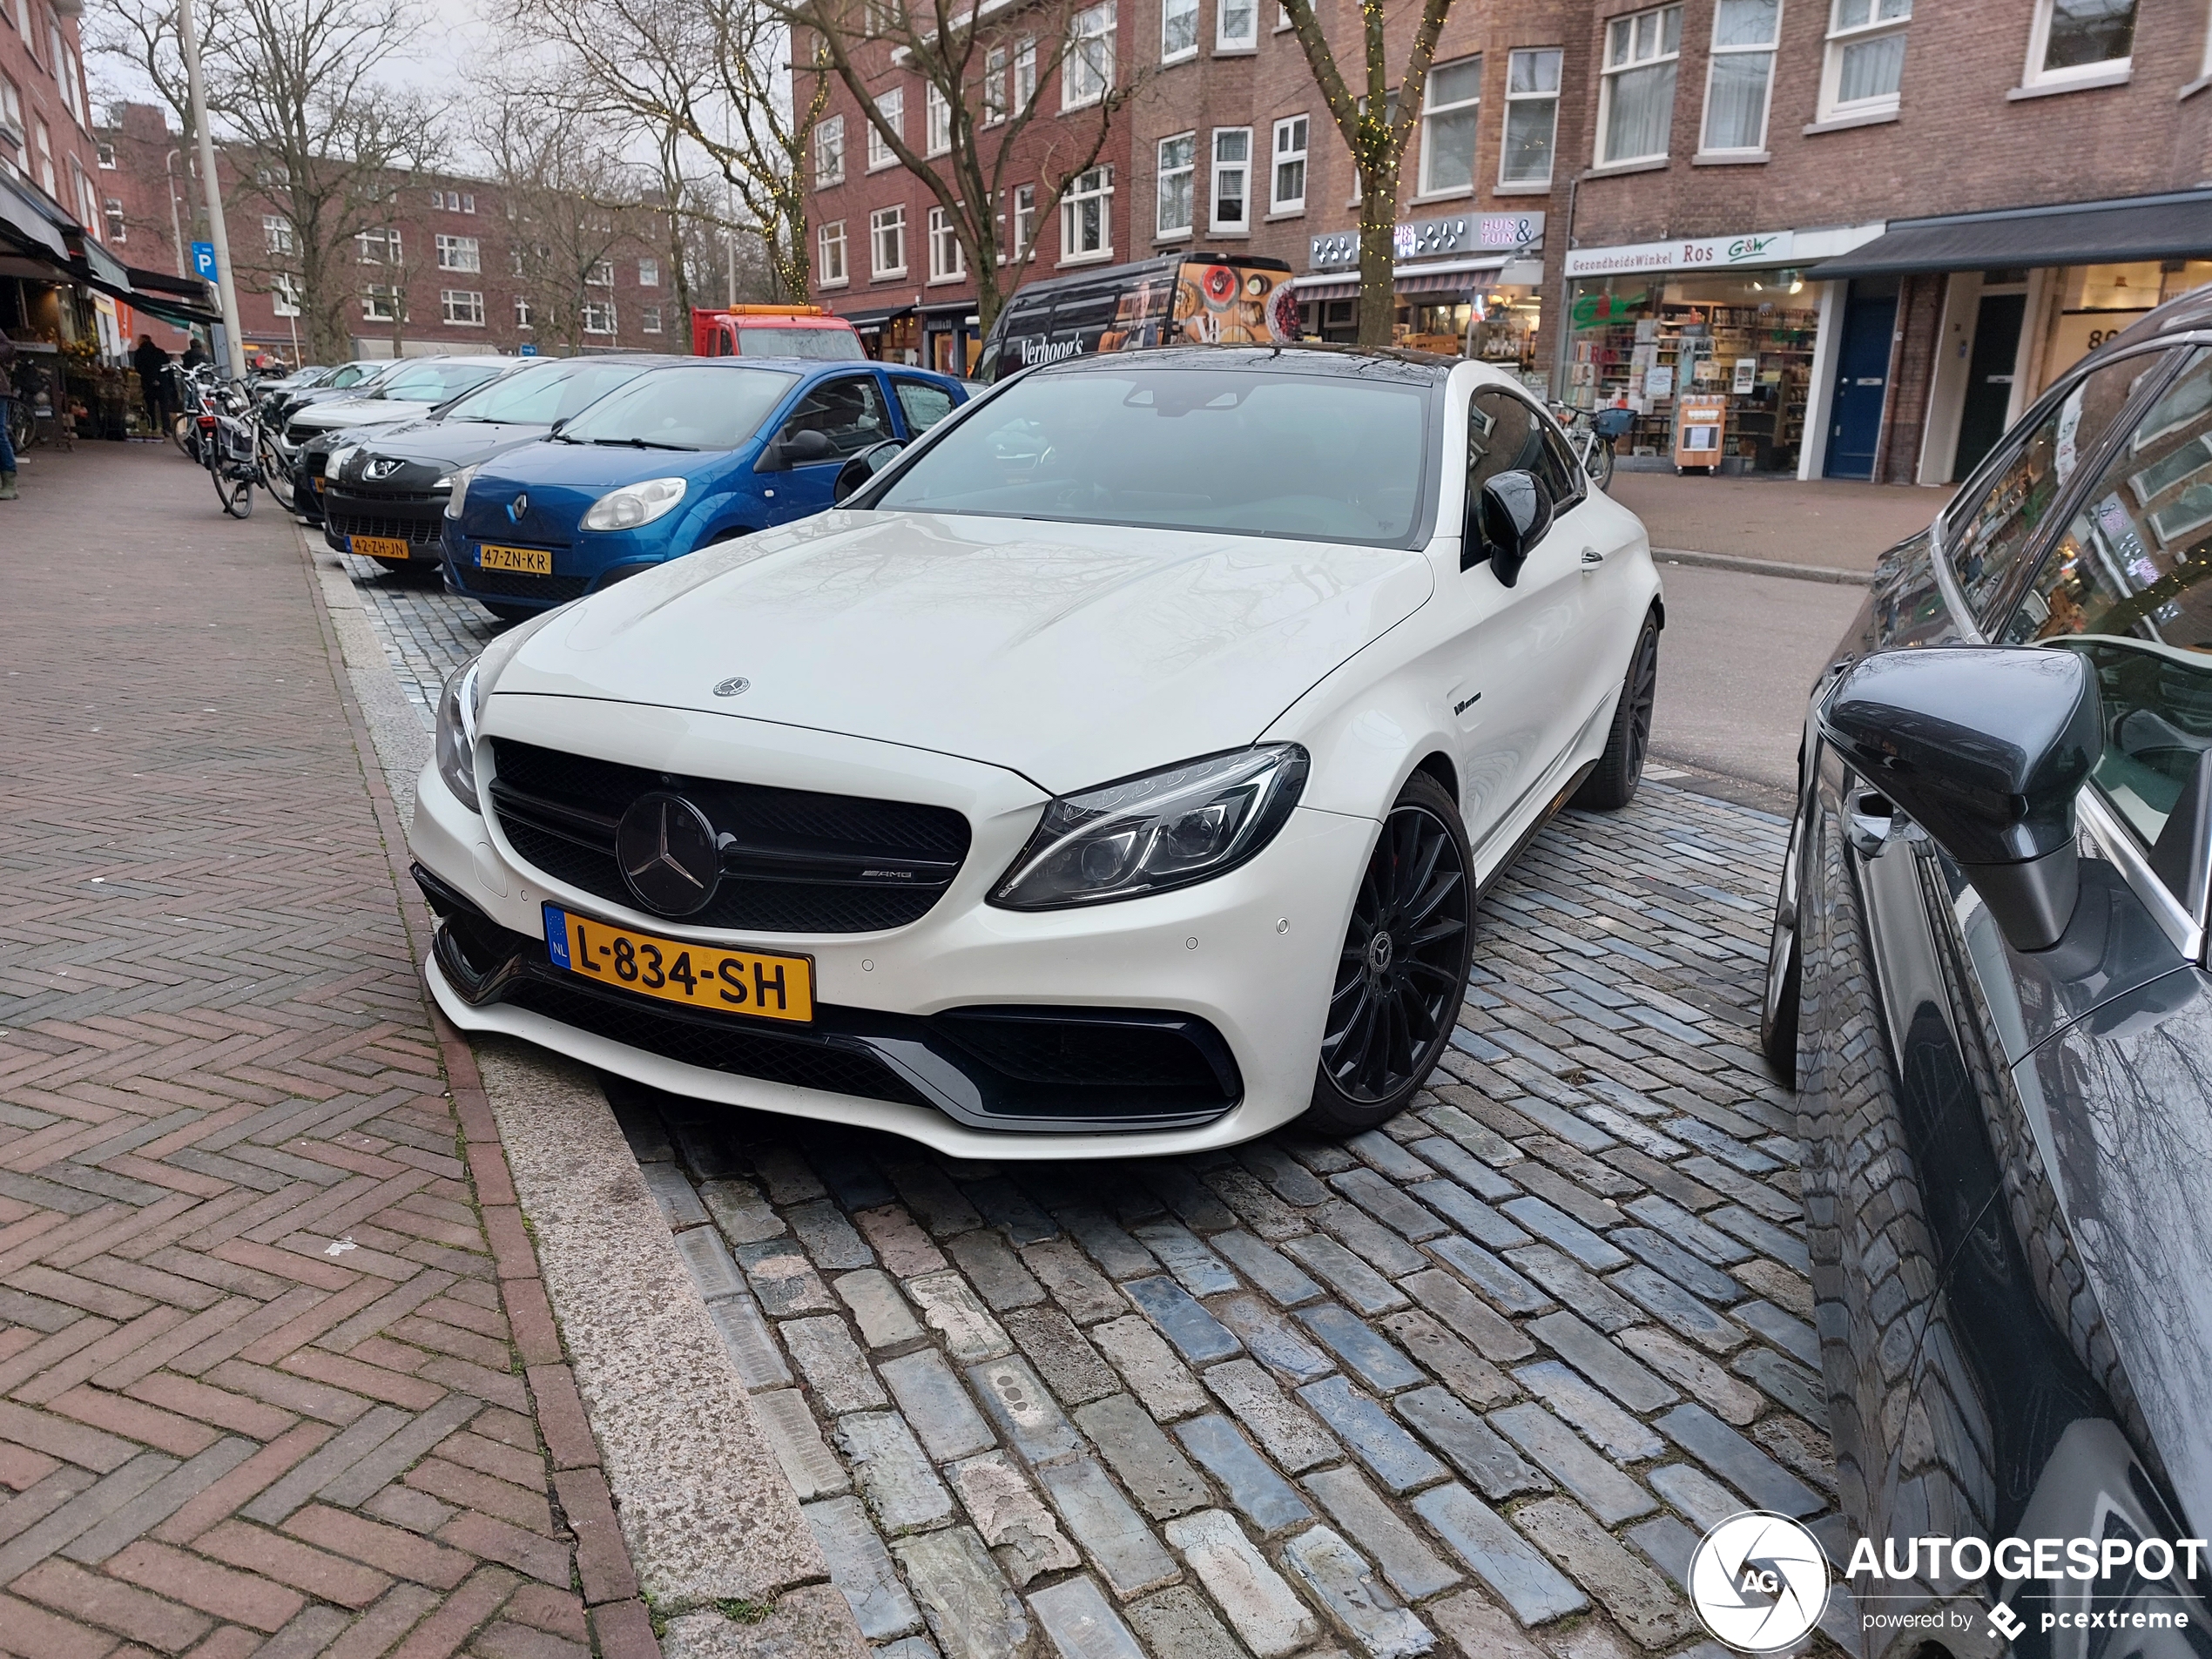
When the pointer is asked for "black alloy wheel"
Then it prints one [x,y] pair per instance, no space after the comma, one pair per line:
[1612,783]
[1403,970]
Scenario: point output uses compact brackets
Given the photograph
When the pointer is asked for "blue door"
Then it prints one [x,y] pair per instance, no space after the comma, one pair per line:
[1861,381]
[849,410]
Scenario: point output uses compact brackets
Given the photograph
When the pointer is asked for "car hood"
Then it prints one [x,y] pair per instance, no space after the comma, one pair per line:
[1073,654]
[359,411]
[444,444]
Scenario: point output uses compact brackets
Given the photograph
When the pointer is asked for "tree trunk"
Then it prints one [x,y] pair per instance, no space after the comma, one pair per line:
[1378,226]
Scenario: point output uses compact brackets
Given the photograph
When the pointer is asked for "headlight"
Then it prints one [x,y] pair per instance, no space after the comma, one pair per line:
[459,499]
[1166,829]
[634,504]
[457,734]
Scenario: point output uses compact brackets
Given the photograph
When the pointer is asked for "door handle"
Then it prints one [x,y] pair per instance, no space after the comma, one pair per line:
[1591,559]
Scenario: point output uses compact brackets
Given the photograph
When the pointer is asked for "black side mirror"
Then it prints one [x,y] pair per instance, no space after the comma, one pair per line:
[1985,749]
[800,448]
[1504,523]
[864,466]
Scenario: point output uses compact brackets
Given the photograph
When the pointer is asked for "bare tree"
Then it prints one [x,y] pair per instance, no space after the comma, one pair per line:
[144,34]
[571,204]
[988,77]
[712,75]
[1377,123]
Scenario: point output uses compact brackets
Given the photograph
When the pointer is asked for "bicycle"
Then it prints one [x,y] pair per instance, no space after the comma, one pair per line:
[1592,434]
[229,448]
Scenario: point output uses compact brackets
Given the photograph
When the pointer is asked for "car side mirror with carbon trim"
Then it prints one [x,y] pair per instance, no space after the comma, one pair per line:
[1985,749]
[1504,523]
[801,449]
[864,466]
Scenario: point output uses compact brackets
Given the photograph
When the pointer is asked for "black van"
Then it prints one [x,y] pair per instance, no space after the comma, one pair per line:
[1196,297]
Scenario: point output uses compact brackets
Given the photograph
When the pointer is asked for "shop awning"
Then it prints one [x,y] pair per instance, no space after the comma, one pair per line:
[2171,227]
[41,233]
[27,223]
[1442,276]
[876,318]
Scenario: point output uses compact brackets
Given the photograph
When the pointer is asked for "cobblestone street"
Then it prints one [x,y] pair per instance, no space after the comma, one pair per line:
[1484,1376]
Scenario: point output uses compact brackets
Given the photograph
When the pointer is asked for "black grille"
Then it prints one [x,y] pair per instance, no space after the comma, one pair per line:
[1043,1046]
[720,1047]
[513,585]
[348,522]
[794,859]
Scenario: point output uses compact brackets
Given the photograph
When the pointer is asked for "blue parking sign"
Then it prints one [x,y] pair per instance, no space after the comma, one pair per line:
[203,260]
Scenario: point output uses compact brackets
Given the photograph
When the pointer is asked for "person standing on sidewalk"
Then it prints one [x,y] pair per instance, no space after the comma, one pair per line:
[153,364]
[7,394]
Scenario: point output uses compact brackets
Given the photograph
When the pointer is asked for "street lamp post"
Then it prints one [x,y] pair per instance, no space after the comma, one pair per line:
[225,291]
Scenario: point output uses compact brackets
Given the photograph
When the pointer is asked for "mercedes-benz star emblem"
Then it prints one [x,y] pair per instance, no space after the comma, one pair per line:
[668,854]
[516,507]
[737,687]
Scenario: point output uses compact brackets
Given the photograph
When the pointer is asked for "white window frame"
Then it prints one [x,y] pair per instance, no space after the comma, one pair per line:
[648,273]
[601,275]
[1512,98]
[2039,42]
[1025,73]
[894,221]
[276,234]
[936,122]
[460,254]
[284,294]
[995,105]
[1280,155]
[603,310]
[1217,170]
[829,152]
[1095,183]
[1430,190]
[1025,222]
[1186,170]
[1087,69]
[103,156]
[1610,71]
[944,240]
[891,104]
[386,242]
[1225,42]
[1840,40]
[1180,11]
[118,223]
[1772,48]
[470,302]
[829,238]
[525,317]
[381,302]
[649,320]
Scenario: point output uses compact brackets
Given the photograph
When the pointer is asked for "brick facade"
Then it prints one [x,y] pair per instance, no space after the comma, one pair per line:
[45,114]
[153,167]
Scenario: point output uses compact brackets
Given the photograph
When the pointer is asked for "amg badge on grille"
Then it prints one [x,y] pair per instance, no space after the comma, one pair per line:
[667,851]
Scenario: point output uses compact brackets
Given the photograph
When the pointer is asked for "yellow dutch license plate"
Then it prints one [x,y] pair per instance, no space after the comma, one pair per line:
[697,976]
[530,561]
[378,547]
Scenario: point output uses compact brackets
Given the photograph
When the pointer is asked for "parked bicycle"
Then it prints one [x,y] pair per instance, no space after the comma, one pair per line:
[1592,434]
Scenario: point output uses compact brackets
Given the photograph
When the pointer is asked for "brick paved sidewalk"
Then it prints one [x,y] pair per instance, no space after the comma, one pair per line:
[1477,1382]
[276,1373]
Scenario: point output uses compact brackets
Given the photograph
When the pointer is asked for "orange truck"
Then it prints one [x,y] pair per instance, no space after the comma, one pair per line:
[773,331]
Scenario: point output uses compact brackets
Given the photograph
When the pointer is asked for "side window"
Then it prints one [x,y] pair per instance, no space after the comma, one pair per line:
[2129,584]
[1505,433]
[848,412]
[1985,538]
[923,404]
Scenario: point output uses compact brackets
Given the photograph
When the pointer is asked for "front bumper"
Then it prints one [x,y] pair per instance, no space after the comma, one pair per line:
[1243,963]
[418,519]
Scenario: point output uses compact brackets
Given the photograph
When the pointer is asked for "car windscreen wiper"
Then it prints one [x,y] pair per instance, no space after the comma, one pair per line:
[641,443]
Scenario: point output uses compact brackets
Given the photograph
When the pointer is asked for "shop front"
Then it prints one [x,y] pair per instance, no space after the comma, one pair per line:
[1466,285]
[1715,343]
[2009,300]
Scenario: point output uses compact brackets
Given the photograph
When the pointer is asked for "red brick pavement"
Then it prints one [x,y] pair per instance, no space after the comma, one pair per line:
[277,1375]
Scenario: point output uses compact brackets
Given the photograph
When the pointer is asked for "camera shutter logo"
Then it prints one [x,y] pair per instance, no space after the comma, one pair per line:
[1759,1582]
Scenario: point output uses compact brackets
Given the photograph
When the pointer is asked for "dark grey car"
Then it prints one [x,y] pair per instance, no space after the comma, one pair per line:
[1988,981]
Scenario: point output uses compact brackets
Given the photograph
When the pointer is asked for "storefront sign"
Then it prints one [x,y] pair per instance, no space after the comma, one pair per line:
[1430,237]
[1687,253]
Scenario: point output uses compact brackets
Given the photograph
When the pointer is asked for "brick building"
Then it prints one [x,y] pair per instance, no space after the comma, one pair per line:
[884,254]
[444,256]
[1866,235]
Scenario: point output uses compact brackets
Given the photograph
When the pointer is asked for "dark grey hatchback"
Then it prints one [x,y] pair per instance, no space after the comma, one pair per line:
[1988,981]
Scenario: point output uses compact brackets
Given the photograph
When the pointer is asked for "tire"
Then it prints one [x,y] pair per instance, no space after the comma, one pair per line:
[1600,464]
[235,494]
[1778,1007]
[506,612]
[1620,769]
[1392,1005]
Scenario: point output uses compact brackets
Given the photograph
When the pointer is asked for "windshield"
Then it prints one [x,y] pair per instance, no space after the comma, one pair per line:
[820,345]
[434,382]
[546,393]
[684,409]
[1254,453]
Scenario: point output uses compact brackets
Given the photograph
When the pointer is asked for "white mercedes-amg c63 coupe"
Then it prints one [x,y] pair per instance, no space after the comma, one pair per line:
[1114,773]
